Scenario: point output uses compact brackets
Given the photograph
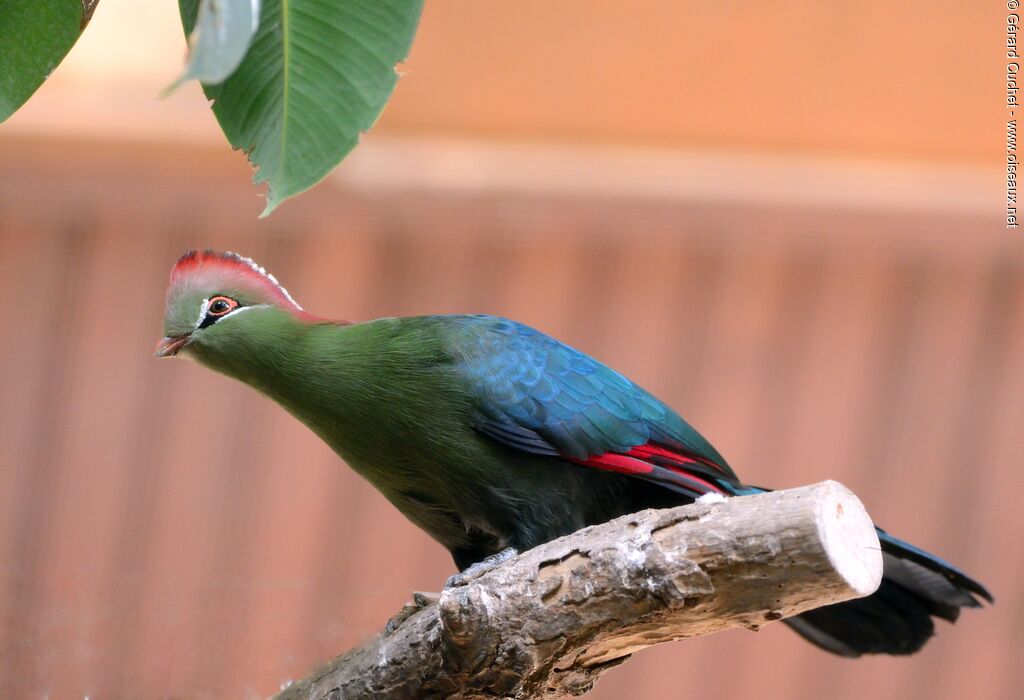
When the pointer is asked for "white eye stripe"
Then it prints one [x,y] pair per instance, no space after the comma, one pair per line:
[204,311]
[240,309]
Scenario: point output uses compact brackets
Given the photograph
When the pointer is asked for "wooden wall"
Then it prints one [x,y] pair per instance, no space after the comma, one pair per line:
[165,532]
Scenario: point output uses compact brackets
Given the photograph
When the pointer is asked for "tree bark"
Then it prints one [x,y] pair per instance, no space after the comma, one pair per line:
[549,622]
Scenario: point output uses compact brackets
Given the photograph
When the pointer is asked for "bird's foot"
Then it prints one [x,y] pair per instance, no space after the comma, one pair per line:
[420,600]
[481,567]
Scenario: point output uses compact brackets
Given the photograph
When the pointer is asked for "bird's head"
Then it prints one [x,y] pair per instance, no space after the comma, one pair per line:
[215,299]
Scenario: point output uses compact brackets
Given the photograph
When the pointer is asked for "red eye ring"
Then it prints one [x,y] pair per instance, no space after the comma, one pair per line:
[221,305]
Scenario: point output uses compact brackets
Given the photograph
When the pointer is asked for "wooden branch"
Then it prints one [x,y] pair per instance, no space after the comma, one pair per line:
[550,621]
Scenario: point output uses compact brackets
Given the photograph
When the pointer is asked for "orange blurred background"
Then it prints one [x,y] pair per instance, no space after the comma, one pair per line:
[783,219]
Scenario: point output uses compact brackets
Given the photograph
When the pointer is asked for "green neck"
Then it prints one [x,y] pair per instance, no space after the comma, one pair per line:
[379,393]
[277,354]
[251,348]
[346,382]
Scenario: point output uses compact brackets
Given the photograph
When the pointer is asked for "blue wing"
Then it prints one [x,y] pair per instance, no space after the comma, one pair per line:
[536,394]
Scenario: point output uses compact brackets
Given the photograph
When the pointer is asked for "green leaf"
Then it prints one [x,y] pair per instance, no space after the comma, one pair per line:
[219,41]
[37,34]
[317,75]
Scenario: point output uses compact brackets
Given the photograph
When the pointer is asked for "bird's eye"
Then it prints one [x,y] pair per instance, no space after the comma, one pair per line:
[221,305]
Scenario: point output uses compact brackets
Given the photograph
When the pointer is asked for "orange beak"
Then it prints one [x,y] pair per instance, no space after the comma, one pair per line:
[170,345]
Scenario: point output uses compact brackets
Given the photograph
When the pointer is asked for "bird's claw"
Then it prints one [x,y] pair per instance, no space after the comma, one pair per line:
[480,568]
[420,600]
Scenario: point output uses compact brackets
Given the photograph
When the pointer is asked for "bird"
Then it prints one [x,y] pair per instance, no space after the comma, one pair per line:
[494,437]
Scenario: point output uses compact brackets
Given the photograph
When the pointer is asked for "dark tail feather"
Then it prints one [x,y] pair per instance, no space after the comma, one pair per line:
[897,618]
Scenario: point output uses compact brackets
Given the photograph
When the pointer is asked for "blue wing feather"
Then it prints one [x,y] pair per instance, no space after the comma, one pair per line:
[535,393]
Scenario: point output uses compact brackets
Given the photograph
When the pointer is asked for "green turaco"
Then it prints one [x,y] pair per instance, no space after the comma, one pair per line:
[493,437]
